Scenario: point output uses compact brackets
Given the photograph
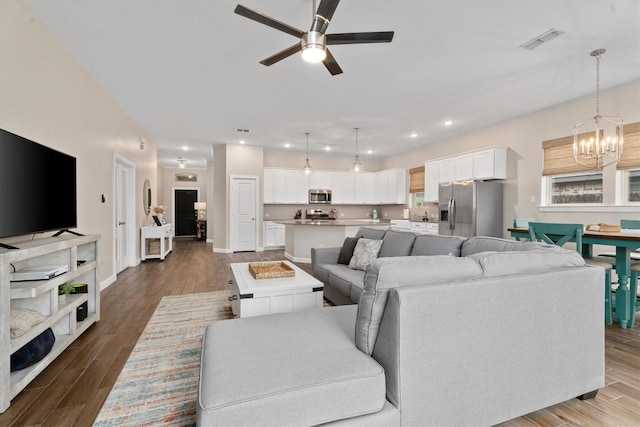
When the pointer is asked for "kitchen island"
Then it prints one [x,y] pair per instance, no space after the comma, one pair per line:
[302,234]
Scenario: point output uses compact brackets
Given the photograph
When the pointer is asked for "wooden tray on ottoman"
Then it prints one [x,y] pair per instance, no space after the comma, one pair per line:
[270,270]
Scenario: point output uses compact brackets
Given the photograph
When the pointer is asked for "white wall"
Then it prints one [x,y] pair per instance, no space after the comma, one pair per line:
[48,97]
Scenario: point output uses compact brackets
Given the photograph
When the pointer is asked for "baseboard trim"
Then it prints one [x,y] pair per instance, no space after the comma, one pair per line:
[107,282]
[222,250]
[297,259]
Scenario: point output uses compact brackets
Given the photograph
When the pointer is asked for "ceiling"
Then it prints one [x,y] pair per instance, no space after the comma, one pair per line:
[187,72]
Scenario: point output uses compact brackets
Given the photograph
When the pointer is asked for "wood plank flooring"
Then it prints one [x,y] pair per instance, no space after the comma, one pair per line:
[71,391]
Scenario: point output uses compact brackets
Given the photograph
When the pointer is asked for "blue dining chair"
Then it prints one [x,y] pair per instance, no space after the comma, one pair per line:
[629,224]
[522,223]
[561,233]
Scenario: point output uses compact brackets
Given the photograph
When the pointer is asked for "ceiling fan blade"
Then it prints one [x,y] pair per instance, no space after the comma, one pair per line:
[327,8]
[266,20]
[331,64]
[282,55]
[357,38]
[323,15]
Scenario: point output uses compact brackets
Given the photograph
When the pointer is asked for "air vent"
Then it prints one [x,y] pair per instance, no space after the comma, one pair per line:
[243,130]
[542,38]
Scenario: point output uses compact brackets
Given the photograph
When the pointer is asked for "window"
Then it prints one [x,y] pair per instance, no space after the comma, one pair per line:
[417,200]
[632,186]
[576,188]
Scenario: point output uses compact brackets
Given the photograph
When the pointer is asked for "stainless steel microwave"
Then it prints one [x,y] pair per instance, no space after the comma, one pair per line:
[320,196]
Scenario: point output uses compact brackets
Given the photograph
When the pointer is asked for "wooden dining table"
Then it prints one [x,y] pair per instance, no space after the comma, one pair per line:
[624,241]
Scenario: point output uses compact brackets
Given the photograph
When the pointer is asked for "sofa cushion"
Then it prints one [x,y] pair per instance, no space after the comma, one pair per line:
[526,262]
[477,244]
[385,274]
[364,253]
[397,243]
[371,233]
[343,278]
[346,252]
[428,244]
[326,378]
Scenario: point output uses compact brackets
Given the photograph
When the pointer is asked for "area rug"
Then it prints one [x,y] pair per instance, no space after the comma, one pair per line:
[159,383]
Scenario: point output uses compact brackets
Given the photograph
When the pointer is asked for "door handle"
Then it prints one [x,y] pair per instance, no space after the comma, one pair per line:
[453,219]
[450,212]
[121,223]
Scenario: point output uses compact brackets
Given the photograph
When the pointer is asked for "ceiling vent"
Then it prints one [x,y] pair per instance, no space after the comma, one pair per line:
[542,38]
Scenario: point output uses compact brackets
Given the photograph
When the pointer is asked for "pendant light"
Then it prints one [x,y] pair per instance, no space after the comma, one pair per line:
[357,166]
[605,146]
[307,166]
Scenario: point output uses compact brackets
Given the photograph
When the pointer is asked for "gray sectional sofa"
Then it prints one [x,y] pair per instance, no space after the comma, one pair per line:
[474,338]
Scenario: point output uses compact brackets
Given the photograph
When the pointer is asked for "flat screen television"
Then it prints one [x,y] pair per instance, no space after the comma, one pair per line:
[37,187]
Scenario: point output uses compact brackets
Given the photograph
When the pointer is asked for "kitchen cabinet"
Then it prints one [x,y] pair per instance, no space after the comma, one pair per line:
[490,163]
[365,188]
[447,169]
[319,180]
[424,227]
[273,235]
[269,194]
[342,188]
[391,186]
[464,167]
[285,186]
[431,182]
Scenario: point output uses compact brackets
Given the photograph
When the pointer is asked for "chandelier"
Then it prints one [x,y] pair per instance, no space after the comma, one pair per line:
[357,166]
[307,166]
[597,141]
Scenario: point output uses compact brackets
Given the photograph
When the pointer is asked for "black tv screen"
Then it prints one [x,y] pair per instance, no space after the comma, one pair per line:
[37,187]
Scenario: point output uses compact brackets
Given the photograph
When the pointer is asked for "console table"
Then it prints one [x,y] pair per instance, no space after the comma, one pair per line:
[162,232]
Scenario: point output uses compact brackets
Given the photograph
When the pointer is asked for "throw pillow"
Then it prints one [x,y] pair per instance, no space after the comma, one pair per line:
[365,252]
[347,250]
[22,320]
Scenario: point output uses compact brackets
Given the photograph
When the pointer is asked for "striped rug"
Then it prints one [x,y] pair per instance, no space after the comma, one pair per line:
[159,383]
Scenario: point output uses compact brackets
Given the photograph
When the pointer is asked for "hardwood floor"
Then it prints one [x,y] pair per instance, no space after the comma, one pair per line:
[71,391]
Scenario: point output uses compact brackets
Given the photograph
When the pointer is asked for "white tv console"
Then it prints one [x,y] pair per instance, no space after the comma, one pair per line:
[42,296]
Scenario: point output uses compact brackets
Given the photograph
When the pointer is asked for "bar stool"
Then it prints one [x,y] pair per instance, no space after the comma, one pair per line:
[560,233]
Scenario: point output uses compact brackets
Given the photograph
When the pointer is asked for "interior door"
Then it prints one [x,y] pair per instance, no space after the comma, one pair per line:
[243,214]
[184,214]
[124,213]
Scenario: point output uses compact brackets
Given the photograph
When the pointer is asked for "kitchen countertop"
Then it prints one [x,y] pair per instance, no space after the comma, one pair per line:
[334,222]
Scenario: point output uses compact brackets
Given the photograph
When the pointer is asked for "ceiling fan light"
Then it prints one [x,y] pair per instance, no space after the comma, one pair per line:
[313,44]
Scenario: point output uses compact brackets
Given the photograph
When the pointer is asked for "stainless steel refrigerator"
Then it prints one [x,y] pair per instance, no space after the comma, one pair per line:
[470,208]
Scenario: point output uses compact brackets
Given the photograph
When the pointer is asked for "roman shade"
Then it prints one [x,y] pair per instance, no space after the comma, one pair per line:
[630,158]
[416,181]
[558,156]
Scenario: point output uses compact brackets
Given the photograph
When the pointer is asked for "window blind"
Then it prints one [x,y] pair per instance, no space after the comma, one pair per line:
[558,156]
[416,181]
[630,158]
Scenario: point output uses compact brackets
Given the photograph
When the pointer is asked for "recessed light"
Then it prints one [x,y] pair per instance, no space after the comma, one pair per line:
[327,148]
[414,135]
[287,145]
[242,141]
[185,148]
[369,151]
[448,122]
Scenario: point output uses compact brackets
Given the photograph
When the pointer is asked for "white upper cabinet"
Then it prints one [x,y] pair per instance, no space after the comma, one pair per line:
[490,164]
[269,195]
[342,188]
[365,188]
[464,167]
[447,170]
[320,180]
[291,186]
[431,181]
[285,186]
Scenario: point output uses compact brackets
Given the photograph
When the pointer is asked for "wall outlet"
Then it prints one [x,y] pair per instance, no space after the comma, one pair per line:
[342,215]
[266,215]
[532,200]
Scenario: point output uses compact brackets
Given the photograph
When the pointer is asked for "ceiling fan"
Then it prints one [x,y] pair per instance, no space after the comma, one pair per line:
[313,43]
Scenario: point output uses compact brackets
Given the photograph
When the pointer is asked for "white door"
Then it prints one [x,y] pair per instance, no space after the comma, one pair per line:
[123,213]
[243,213]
